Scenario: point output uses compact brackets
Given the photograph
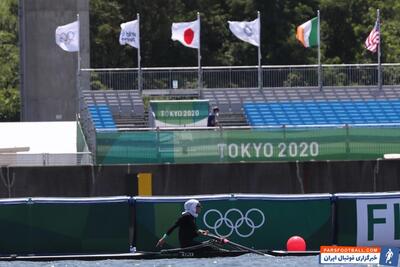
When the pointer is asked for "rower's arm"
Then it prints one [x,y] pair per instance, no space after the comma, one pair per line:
[161,242]
[173,227]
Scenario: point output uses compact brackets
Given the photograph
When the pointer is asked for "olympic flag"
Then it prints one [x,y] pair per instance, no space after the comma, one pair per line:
[130,33]
[67,36]
[248,31]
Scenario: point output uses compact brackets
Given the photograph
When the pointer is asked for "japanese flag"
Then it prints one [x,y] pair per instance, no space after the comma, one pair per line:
[188,33]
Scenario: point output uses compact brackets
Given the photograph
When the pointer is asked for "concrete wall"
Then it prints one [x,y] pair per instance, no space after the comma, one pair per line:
[48,74]
[192,179]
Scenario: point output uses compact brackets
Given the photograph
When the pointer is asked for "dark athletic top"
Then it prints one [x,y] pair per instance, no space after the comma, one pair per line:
[211,121]
[187,230]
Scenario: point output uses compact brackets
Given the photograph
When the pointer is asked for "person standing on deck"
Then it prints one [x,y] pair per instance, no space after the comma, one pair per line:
[212,120]
[188,230]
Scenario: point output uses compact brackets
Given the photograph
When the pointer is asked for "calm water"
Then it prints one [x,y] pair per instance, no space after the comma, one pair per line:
[245,260]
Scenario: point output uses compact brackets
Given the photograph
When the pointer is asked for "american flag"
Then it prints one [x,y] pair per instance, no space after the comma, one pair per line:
[373,39]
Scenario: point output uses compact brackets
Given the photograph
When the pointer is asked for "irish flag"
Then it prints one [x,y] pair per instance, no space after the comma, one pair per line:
[307,33]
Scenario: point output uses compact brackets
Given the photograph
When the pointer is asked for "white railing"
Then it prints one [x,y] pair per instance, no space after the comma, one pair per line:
[264,127]
[45,159]
[241,76]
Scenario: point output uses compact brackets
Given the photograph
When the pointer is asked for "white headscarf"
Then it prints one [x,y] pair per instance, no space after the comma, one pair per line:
[190,207]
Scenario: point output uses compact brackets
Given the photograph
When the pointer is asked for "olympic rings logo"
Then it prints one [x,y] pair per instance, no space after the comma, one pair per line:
[66,37]
[243,222]
[248,31]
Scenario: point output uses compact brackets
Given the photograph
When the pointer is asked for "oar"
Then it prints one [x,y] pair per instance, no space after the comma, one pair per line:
[226,241]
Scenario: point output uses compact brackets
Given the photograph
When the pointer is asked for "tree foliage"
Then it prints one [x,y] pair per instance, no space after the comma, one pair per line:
[9,61]
[345,24]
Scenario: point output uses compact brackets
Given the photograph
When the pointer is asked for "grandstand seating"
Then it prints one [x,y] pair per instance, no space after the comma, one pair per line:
[126,106]
[232,101]
[101,116]
[271,106]
[322,112]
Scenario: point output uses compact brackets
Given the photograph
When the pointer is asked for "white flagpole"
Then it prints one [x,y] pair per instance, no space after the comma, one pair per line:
[379,50]
[79,46]
[139,58]
[319,54]
[78,71]
[260,85]
[199,55]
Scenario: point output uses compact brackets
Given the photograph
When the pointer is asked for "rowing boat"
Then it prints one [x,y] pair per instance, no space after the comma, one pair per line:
[165,254]
[151,255]
[215,247]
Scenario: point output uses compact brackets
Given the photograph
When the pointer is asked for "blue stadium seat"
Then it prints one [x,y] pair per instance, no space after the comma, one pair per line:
[324,112]
[102,117]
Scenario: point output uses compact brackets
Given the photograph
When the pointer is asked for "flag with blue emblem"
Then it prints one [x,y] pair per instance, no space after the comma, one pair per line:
[248,31]
[67,36]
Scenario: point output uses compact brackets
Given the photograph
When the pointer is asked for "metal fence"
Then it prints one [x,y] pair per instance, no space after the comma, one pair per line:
[242,76]
[45,159]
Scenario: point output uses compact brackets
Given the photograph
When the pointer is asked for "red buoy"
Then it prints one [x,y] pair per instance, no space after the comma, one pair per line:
[296,243]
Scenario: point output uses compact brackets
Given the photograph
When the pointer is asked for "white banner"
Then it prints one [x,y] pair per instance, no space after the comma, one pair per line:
[67,37]
[378,222]
[130,33]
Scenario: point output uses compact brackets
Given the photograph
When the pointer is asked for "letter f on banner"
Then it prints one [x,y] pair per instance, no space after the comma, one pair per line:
[372,220]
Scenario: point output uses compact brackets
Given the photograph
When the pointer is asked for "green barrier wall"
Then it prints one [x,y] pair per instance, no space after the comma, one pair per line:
[104,225]
[57,226]
[346,222]
[368,219]
[271,219]
[250,145]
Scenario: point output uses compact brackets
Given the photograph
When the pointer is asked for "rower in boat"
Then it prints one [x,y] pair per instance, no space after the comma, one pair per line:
[188,230]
